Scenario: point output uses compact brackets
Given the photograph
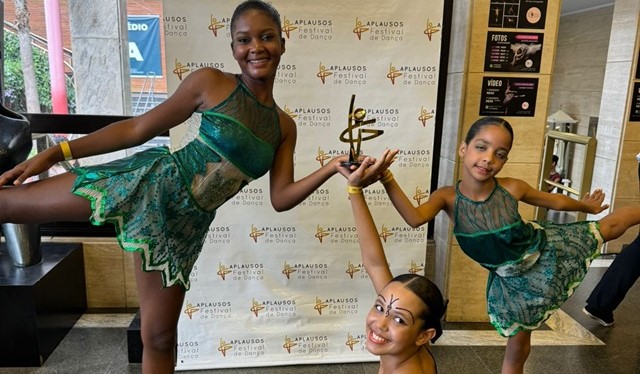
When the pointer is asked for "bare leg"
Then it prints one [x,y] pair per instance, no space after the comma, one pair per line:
[48,200]
[517,352]
[614,224]
[159,313]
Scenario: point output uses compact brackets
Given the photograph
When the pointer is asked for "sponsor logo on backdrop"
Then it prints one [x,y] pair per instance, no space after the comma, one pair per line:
[336,306]
[288,344]
[311,116]
[431,29]
[407,235]
[219,235]
[273,234]
[420,195]
[359,29]
[320,305]
[223,347]
[306,271]
[318,198]
[255,233]
[377,196]
[425,115]
[176,26]
[338,234]
[414,158]
[413,75]
[241,271]
[190,310]
[256,307]
[208,309]
[243,347]
[352,269]
[188,350]
[287,74]
[217,24]
[386,117]
[307,344]
[181,69]
[415,267]
[321,233]
[323,73]
[393,74]
[322,156]
[385,233]
[289,112]
[288,27]
[355,341]
[249,196]
[308,29]
[379,30]
[343,75]
[274,308]
[287,270]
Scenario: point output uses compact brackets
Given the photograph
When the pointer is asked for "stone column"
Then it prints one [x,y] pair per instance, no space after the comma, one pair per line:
[615,168]
[100,56]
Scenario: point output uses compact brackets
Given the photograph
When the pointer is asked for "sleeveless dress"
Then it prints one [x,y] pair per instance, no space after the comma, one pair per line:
[533,266]
[163,203]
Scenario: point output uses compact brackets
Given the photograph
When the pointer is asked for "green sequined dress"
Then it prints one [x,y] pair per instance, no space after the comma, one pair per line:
[162,203]
[533,266]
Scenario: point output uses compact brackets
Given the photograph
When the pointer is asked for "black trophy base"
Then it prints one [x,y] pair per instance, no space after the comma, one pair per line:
[348,164]
[40,303]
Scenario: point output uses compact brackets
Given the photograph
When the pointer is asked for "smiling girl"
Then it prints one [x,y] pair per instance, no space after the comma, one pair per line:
[533,266]
[161,202]
[405,316]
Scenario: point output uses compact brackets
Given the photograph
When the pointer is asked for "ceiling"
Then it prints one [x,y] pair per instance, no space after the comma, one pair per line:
[574,6]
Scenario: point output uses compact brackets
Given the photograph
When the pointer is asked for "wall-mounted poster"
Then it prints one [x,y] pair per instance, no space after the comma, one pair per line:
[520,14]
[512,96]
[513,51]
[634,114]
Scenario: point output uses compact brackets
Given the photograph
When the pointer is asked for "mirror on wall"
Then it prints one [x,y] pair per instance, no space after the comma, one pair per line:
[567,168]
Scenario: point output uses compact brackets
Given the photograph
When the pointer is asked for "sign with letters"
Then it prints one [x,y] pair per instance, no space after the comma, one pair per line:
[144,46]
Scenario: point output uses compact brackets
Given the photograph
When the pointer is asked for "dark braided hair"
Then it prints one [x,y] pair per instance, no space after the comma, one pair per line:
[428,292]
[256,5]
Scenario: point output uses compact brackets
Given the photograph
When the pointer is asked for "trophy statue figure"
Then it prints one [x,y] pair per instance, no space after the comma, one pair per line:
[356,120]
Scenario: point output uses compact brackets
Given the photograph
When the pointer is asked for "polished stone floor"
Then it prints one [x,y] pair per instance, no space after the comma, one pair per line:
[569,343]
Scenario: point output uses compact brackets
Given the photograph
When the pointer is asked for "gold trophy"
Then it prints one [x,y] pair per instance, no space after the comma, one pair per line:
[355,121]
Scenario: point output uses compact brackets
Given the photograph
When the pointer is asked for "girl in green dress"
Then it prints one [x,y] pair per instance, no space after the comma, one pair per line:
[533,266]
[405,317]
[162,203]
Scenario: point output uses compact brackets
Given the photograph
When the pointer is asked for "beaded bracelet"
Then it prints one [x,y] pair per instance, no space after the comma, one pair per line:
[353,190]
[66,150]
[387,177]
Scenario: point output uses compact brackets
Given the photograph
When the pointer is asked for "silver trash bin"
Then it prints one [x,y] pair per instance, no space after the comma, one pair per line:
[23,243]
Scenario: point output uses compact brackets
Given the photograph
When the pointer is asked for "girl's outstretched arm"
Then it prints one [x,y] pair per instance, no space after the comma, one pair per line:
[590,203]
[417,216]
[285,193]
[373,257]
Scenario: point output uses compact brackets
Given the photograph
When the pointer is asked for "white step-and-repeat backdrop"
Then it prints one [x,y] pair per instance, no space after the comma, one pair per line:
[288,288]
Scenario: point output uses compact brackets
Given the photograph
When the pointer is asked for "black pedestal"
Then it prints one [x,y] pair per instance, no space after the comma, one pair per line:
[39,304]
[134,340]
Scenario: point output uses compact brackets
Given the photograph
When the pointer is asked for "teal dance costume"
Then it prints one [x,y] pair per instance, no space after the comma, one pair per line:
[533,266]
[163,203]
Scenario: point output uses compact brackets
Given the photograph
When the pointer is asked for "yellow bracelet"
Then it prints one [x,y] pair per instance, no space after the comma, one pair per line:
[354,190]
[66,150]
[387,177]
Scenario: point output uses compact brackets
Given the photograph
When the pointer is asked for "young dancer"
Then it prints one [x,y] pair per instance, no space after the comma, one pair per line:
[534,266]
[163,203]
[406,314]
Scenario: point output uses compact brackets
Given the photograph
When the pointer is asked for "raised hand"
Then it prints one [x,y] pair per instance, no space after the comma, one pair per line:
[371,169]
[594,201]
